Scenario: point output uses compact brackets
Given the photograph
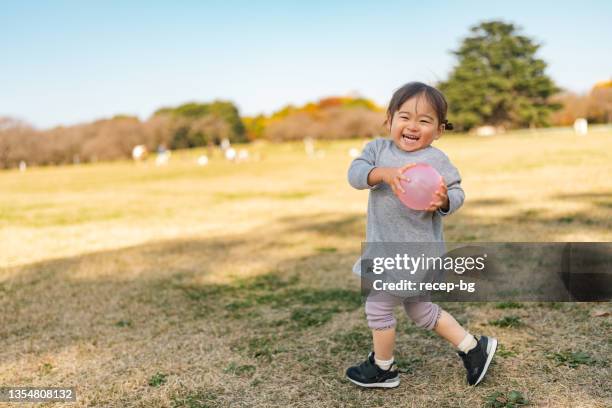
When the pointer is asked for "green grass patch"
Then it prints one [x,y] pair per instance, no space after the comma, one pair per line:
[200,399]
[571,359]
[350,341]
[239,305]
[124,323]
[245,290]
[267,282]
[158,379]
[206,293]
[260,347]
[350,299]
[508,321]
[503,352]
[326,250]
[410,328]
[312,316]
[307,306]
[551,305]
[508,305]
[45,368]
[240,370]
[510,399]
[408,365]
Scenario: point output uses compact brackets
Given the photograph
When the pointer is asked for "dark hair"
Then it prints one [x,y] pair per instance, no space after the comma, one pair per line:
[435,98]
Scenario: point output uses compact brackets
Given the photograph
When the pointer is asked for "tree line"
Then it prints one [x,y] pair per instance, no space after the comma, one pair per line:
[186,126]
[498,80]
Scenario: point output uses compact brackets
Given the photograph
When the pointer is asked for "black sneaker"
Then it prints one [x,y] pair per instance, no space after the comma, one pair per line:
[368,374]
[477,360]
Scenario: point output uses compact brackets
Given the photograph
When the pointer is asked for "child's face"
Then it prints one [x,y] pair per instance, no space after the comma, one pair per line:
[415,125]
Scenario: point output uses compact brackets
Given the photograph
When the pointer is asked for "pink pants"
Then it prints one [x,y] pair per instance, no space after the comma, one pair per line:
[379,311]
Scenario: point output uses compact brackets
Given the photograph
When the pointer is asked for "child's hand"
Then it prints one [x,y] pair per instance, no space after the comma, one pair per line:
[393,175]
[440,198]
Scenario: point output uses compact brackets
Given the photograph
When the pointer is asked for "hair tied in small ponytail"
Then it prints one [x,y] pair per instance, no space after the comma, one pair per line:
[448,125]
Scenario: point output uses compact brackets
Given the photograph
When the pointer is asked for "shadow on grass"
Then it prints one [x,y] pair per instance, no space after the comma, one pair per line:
[597,220]
[350,227]
[62,297]
[131,298]
[584,196]
[491,202]
[474,226]
[134,292]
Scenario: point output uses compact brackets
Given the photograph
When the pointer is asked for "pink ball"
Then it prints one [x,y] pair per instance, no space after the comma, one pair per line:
[420,190]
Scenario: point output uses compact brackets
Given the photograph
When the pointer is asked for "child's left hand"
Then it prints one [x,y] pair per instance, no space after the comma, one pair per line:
[440,198]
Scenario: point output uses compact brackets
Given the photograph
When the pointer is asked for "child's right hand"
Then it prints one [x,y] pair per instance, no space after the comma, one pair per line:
[393,175]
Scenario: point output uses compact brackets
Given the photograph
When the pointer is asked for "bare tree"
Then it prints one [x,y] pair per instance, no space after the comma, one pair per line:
[16,139]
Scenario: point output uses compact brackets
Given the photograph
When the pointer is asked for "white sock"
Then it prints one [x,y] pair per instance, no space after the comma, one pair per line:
[383,364]
[468,343]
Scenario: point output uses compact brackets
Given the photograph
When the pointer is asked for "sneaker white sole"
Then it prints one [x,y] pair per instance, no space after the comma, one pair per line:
[387,384]
[491,348]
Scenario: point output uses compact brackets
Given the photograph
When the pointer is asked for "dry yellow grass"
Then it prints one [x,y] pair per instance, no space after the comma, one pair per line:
[233,280]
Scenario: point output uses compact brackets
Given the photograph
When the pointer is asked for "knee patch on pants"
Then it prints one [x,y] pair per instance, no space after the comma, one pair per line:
[423,314]
[379,314]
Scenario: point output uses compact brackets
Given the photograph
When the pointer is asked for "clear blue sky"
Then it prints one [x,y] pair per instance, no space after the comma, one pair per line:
[65,62]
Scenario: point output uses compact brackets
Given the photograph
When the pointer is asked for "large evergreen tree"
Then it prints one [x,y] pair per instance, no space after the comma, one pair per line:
[498,80]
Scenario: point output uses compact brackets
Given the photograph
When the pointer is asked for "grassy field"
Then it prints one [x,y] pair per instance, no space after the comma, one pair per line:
[230,284]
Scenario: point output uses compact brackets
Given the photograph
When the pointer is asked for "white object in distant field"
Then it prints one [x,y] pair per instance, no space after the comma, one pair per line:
[243,154]
[22,166]
[581,127]
[162,158]
[353,152]
[309,146]
[139,152]
[486,131]
[230,153]
[225,144]
[202,160]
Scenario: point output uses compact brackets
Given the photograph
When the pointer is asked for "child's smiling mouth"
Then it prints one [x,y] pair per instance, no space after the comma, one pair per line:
[410,138]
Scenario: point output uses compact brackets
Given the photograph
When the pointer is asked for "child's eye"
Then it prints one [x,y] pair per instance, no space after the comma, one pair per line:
[425,121]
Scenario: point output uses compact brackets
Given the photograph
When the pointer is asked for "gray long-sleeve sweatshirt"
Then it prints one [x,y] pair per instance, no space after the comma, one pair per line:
[388,219]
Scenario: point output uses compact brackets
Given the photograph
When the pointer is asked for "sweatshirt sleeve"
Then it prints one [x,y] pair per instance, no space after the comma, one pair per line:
[456,195]
[361,167]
